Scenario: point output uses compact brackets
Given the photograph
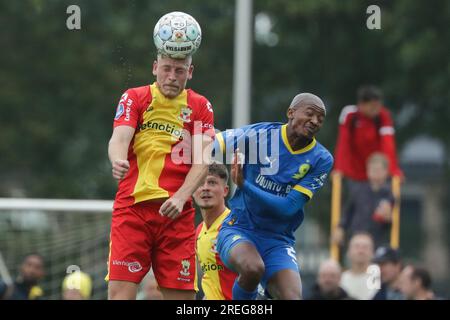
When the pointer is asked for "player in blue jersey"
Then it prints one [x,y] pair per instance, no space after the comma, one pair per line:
[282,166]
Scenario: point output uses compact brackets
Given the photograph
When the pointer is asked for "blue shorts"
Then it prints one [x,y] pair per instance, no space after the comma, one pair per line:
[277,254]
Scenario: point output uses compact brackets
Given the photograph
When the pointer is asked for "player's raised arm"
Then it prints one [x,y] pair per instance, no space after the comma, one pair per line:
[125,124]
[118,150]
[201,157]
[280,206]
[297,197]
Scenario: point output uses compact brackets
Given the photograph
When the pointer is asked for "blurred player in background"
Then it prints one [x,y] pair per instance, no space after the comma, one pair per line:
[158,168]
[390,263]
[256,239]
[217,280]
[364,129]
[415,284]
[25,287]
[355,281]
[327,286]
[369,208]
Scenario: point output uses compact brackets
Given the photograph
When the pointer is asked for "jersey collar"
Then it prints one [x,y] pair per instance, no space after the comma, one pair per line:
[215,225]
[288,146]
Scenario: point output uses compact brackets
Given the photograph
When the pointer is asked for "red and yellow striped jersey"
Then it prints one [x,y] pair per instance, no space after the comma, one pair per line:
[217,280]
[159,153]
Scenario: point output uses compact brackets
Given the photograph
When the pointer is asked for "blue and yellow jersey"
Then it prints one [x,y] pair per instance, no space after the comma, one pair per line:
[273,166]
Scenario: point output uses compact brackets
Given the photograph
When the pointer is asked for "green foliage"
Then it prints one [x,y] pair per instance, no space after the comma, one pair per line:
[59,88]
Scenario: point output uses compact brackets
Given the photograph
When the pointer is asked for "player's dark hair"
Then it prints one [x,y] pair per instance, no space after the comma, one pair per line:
[34,254]
[423,275]
[220,170]
[369,93]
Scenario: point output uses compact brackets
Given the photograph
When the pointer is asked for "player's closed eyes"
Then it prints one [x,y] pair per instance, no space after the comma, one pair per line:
[310,114]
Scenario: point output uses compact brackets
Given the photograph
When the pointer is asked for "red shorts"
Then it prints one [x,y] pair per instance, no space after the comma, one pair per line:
[142,238]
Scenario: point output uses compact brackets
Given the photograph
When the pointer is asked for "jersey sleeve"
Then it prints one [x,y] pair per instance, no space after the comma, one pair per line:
[226,142]
[388,146]
[127,112]
[206,118]
[343,150]
[231,139]
[276,205]
[315,179]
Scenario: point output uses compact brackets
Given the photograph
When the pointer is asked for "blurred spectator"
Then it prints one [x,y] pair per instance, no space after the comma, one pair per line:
[369,208]
[364,129]
[77,286]
[415,284]
[390,264]
[150,289]
[25,287]
[356,280]
[328,280]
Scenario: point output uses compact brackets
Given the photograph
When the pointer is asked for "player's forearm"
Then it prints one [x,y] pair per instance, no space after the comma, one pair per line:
[117,150]
[194,179]
[280,206]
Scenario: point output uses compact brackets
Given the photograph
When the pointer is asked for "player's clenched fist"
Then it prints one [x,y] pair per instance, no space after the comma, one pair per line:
[172,207]
[120,168]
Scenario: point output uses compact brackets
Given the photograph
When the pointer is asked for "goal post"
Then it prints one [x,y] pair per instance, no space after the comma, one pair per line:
[67,233]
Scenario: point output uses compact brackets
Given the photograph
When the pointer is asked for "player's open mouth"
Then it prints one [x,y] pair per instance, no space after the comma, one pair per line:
[310,129]
[205,197]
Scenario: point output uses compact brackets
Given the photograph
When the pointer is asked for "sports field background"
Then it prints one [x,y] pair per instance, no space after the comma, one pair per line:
[59,90]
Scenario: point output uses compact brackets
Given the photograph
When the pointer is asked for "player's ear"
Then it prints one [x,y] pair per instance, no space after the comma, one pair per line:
[190,71]
[155,66]
[290,113]
[226,190]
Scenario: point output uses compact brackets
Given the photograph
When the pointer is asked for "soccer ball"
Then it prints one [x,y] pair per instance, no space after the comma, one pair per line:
[177,35]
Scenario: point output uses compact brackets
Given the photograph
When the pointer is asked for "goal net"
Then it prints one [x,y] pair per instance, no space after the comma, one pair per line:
[69,234]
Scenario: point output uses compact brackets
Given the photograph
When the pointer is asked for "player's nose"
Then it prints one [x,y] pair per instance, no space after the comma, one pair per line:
[172,75]
[204,187]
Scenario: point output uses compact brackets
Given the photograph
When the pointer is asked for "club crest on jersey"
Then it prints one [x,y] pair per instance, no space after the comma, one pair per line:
[302,171]
[213,248]
[185,114]
[185,265]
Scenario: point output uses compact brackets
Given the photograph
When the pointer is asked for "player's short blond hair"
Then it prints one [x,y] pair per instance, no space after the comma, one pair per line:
[187,59]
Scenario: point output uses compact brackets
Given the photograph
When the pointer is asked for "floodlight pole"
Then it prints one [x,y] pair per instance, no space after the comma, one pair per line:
[242,63]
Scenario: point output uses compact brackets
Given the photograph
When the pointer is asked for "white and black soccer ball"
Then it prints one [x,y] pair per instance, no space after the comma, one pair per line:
[177,35]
